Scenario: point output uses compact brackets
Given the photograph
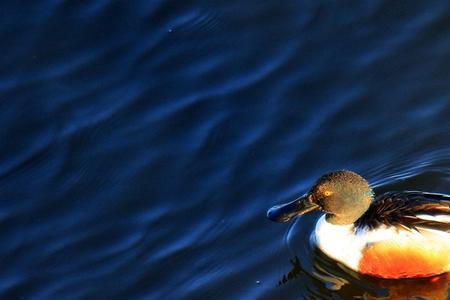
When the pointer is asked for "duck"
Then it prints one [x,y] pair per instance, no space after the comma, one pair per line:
[395,235]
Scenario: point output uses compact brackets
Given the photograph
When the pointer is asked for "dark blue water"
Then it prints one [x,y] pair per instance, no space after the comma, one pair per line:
[142,142]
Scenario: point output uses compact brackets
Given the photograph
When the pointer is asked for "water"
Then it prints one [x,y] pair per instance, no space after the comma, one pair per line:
[143,142]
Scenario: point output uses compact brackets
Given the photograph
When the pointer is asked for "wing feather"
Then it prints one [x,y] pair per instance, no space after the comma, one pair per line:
[403,209]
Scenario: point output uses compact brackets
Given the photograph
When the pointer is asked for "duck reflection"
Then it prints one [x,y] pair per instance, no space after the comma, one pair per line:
[328,279]
[435,288]
[295,272]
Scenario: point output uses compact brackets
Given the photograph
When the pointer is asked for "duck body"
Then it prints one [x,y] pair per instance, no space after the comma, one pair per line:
[396,238]
[395,235]
[386,252]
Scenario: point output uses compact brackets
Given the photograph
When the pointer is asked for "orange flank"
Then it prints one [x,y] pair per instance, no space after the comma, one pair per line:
[404,260]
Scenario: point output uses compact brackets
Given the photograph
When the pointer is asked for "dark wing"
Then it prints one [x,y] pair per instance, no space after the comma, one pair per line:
[401,209]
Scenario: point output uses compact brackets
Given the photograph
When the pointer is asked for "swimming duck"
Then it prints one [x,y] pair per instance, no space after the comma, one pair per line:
[394,235]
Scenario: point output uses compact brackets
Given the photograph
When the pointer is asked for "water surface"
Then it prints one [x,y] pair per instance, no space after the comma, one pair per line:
[143,142]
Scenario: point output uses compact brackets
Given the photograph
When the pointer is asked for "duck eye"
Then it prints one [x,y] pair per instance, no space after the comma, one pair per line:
[327,193]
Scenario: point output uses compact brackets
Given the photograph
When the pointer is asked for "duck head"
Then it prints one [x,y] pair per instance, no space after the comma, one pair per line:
[343,195]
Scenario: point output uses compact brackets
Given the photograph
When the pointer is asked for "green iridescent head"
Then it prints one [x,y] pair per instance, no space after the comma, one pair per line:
[343,195]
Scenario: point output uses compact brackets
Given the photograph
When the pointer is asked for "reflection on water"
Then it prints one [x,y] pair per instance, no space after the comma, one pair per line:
[338,282]
[295,272]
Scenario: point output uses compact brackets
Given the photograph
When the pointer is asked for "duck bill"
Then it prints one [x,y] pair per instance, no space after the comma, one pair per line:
[286,212]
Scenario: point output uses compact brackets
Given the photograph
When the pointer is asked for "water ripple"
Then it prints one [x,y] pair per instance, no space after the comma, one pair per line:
[143,143]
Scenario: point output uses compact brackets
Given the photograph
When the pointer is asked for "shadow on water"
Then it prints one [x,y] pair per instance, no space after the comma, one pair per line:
[326,279]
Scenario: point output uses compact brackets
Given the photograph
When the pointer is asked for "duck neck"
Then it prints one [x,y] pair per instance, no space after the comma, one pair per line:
[347,219]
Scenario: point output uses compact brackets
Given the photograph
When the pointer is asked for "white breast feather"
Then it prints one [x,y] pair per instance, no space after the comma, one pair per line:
[343,244]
